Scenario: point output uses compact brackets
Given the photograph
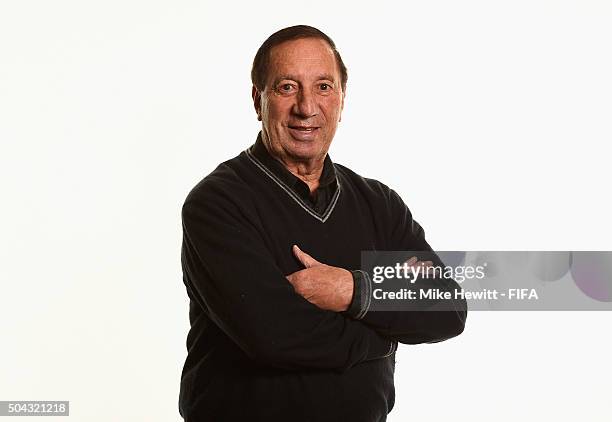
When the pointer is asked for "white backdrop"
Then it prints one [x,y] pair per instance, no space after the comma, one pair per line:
[490,118]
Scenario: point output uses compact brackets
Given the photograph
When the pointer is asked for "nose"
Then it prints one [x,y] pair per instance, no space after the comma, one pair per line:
[305,105]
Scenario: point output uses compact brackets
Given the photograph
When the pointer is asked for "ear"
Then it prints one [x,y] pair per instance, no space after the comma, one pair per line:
[256,95]
[342,105]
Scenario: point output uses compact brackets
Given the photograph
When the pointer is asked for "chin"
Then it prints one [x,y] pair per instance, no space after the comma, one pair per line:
[304,149]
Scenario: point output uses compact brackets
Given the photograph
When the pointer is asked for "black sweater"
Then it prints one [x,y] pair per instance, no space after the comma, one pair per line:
[257,350]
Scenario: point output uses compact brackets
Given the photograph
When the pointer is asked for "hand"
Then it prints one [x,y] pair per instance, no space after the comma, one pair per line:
[327,287]
[413,263]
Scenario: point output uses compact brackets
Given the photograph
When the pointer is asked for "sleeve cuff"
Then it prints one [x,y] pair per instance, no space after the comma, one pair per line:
[362,294]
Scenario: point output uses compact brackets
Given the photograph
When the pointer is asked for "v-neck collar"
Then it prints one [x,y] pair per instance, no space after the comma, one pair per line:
[292,185]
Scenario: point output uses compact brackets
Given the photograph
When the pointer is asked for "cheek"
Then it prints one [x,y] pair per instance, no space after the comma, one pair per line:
[277,110]
[332,110]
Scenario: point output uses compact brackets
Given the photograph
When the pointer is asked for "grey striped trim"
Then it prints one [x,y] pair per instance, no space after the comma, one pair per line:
[366,294]
[322,218]
[392,349]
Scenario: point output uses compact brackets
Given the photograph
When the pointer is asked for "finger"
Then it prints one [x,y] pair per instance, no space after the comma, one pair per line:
[411,261]
[306,260]
[294,280]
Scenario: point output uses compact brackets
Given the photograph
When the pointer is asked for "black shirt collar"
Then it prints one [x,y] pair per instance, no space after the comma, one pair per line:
[327,181]
[259,150]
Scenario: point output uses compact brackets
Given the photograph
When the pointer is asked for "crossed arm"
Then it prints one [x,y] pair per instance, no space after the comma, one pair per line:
[237,283]
[239,286]
[332,288]
[328,287]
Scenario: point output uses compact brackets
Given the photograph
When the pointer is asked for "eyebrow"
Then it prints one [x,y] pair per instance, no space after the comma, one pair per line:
[324,76]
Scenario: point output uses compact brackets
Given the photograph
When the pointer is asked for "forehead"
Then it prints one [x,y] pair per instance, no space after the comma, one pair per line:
[303,58]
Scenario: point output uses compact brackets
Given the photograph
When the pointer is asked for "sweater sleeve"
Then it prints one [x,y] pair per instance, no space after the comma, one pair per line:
[236,281]
[409,326]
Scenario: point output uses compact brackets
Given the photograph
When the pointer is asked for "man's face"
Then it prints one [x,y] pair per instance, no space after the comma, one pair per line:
[302,102]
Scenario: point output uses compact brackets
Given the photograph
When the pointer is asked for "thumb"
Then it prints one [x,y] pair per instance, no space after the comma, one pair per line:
[306,260]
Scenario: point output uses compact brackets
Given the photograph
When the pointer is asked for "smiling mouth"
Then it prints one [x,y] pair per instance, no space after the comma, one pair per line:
[303,128]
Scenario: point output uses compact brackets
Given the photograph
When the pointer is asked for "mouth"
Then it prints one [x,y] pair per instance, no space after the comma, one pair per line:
[305,129]
[304,133]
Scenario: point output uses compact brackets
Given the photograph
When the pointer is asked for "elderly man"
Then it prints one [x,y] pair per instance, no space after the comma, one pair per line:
[281,328]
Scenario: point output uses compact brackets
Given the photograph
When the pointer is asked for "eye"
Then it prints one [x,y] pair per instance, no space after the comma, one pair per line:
[324,87]
[286,87]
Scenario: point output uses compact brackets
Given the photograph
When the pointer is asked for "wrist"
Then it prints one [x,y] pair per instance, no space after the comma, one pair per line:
[348,289]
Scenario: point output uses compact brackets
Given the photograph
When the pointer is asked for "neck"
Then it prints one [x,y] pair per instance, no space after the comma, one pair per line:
[307,170]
